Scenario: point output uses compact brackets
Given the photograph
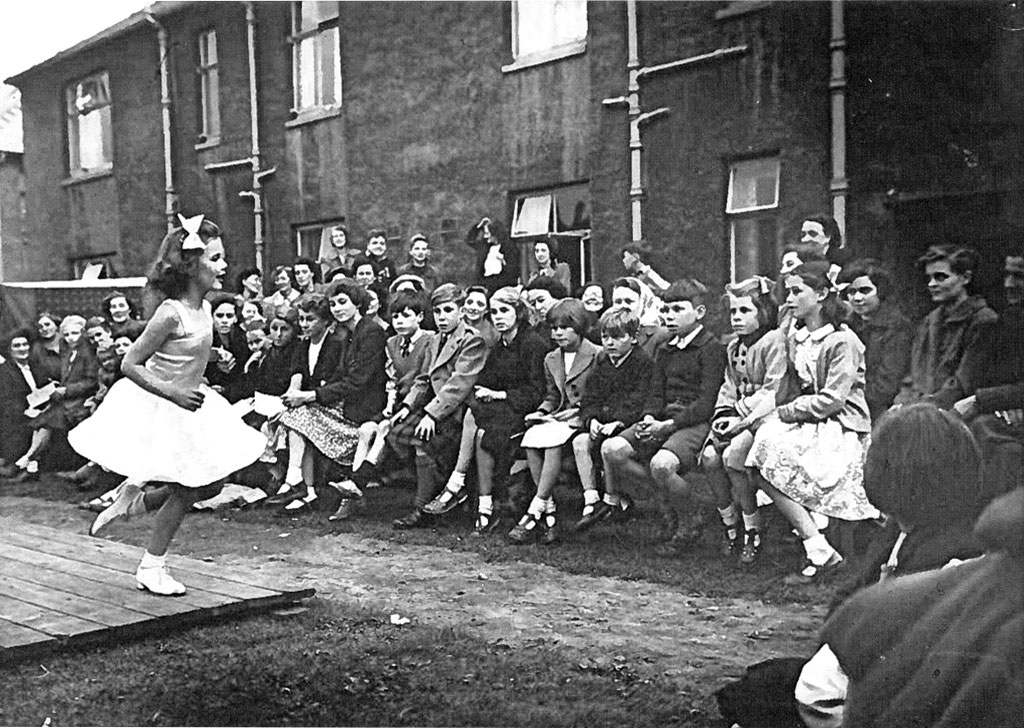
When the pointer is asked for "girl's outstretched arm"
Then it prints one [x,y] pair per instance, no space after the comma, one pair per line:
[159,329]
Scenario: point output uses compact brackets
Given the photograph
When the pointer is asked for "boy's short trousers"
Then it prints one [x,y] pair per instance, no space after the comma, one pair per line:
[685,444]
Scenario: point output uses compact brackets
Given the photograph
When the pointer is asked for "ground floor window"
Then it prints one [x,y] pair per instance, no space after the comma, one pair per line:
[561,216]
[752,217]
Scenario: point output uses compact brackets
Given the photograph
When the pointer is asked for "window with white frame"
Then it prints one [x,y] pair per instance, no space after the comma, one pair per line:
[316,56]
[548,28]
[209,88]
[751,211]
[90,137]
[311,238]
[560,215]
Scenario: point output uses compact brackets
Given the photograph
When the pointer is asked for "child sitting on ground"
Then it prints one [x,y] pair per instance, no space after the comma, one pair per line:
[557,419]
[755,371]
[688,371]
[613,400]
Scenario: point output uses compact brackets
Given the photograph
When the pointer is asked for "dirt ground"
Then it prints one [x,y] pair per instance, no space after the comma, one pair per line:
[693,640]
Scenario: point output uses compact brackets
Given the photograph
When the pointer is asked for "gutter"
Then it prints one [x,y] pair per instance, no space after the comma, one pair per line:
[170,195]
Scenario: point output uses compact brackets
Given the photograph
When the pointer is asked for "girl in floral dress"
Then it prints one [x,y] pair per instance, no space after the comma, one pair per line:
[810,457]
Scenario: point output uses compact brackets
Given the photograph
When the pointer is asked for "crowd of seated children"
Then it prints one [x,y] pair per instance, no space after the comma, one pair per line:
[636,386]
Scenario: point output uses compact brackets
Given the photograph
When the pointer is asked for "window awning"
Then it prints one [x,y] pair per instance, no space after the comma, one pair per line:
[532,216]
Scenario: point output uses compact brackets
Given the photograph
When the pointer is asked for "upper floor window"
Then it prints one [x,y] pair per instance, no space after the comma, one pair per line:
[751,211]
[316,56]
[543,30]
[90,137]
[209,88]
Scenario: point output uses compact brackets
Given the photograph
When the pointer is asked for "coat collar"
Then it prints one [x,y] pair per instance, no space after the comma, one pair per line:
[584,356]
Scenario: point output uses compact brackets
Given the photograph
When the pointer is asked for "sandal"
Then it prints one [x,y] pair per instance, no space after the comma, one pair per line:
[485,523]
[528,529]
[447,500]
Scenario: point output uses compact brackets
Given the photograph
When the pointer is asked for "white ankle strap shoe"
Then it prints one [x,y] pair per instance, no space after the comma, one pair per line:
[158,580]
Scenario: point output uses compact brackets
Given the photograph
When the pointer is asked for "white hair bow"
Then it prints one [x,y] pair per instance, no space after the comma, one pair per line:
[191,225]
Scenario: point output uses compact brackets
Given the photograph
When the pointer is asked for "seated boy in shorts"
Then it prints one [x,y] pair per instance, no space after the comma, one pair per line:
[664,445]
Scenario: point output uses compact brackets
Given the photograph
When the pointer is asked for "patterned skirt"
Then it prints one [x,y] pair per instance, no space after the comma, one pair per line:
[326,428]
[820,465]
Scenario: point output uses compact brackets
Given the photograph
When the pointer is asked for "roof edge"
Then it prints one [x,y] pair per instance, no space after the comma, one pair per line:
[132,22]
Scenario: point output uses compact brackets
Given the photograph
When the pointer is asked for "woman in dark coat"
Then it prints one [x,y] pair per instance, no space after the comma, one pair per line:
[230,350]
[497,259]
[15,373]
[885,331]
[46,349]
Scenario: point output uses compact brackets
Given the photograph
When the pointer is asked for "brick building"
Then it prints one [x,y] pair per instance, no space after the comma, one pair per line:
[423,117]
[12,181]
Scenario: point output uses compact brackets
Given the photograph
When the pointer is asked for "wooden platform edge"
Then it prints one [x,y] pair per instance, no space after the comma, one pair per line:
[151,627]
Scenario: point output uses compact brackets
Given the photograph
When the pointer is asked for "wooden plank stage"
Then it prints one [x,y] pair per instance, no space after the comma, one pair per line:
[61,590]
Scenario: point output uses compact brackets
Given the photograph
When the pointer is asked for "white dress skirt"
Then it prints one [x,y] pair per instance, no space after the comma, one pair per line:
[145,437]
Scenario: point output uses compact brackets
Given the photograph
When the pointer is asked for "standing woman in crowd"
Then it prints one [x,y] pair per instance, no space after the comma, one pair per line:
[46,349]
[545,252]
[160,423]
[307,276]
[631,294]
[123,316]
[810,457]
[497,258]
[885,331]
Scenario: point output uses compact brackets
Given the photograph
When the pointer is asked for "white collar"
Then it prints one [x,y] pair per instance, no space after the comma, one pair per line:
[682,343]
[803,334]
[415,337]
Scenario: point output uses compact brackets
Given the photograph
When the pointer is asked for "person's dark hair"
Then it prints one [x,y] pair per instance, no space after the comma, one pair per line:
[245,273]
[686,289]
[415,301]
[309,263]
[133,310]
[22,332]
[335,273]
[962,259]
[761,292]
[829,225]
[629,282]
[355,293]
[923,466]
[618,322]
[288,314]
[417,237]
[315,303]
[257,324]
[641,249]
[544,283]
[174,267]
[376,233]
[219,298]
[569,313]
[879,274]
[834,310]
[278,270]
[48,315]
[478,289]
[358,261]
[97,321]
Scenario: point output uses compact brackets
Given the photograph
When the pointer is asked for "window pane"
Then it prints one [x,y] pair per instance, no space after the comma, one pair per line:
[330,78]
[211,103]
[753,242]
[753,184]
[543,24]
[306,73]
[90,140]
[533,216]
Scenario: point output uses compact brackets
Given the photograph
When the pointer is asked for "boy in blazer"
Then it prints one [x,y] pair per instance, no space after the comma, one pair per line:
[688,371]
[429,419]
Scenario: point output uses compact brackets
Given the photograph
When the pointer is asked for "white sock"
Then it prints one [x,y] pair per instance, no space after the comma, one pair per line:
[149,561]
[818,549]
[752,522]
[486,505]
[32,467]
[729,515]
[612,499]
[456,479]
[590,497]
[293,477]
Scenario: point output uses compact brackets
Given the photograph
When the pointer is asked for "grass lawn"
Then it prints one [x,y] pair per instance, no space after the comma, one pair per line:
[330,666]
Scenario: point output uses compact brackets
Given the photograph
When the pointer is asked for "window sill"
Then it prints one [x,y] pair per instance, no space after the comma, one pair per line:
[208,144]
[741,8]
[87,176]
[566,50]
[308,116]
